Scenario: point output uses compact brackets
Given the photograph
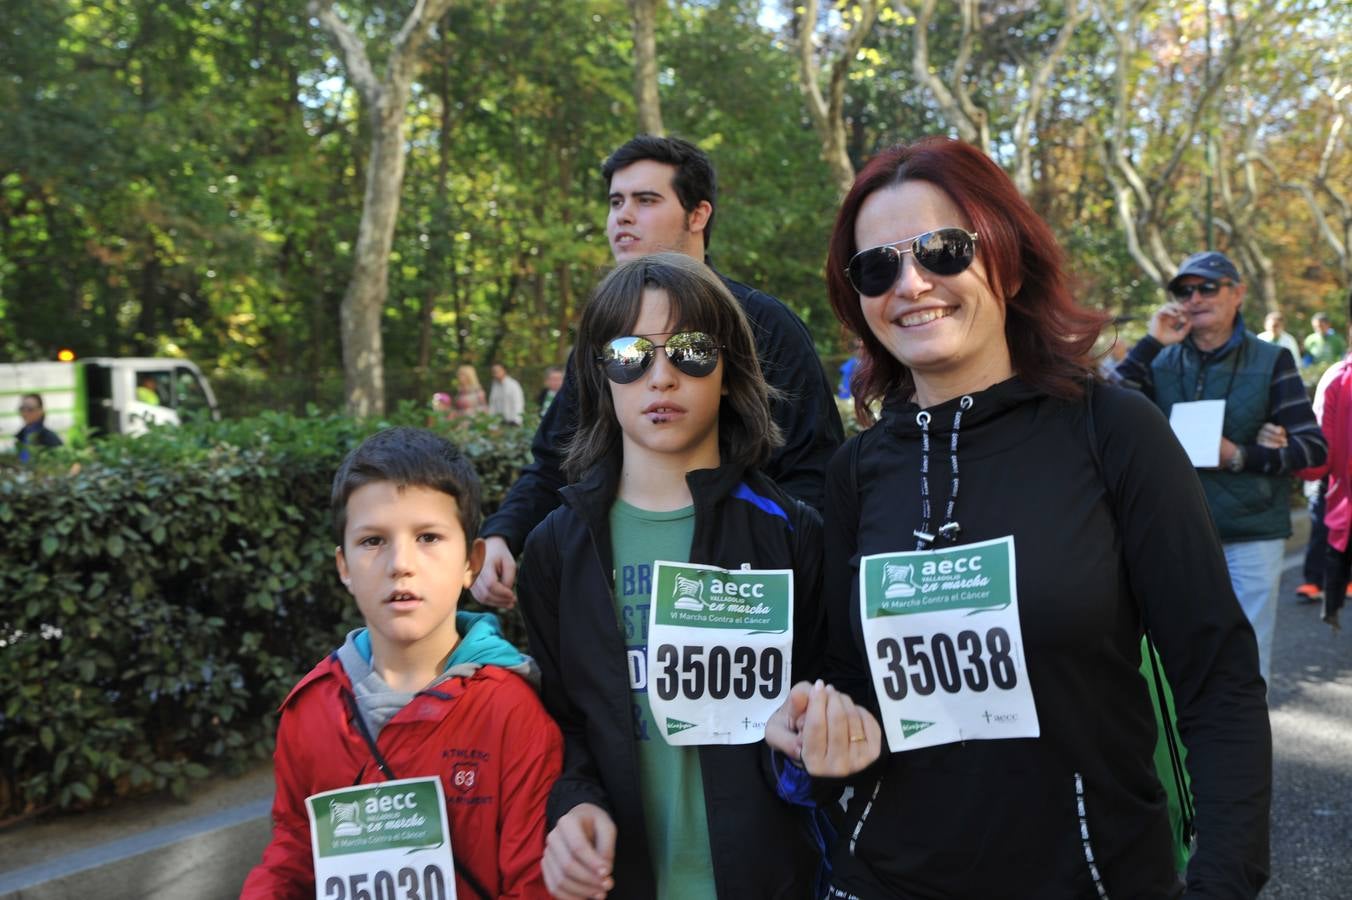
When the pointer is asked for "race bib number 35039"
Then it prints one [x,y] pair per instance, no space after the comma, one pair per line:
[945,649]
[720,646]
[384,841]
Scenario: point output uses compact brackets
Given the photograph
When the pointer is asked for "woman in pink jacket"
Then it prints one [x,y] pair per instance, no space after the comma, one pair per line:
[1333,407]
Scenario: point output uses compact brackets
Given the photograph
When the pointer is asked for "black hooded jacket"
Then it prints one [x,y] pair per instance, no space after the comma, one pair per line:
[760,845]
[1104,547]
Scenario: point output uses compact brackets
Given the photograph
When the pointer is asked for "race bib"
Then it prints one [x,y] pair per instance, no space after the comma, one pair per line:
[944,645]
[720,651]
[385,841]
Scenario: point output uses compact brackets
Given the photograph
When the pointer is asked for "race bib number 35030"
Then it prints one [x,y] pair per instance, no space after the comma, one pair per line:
[945,649]
[720,646]
[384,841]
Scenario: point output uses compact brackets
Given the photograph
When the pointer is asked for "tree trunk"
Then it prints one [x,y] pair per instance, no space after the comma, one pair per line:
[386,102]
[959,110]
[437,229]
[363,352]
[564,316]
[1329,206]
[645,66]
[1140,196]
[1076,13]
[827,111]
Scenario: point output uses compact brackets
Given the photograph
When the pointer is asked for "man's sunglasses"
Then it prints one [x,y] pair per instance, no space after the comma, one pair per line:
[625,359]
[943,251]
[1205,288]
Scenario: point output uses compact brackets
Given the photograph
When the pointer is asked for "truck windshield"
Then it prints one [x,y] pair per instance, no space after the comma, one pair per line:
[188,393]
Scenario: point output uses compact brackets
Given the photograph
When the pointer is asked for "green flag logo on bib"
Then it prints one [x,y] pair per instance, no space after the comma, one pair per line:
[910,727]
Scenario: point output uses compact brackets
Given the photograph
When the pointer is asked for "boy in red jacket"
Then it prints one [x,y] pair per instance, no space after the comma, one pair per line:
[418,752]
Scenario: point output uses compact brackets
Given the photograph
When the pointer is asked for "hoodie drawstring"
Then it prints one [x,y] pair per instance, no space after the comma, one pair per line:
[950,529]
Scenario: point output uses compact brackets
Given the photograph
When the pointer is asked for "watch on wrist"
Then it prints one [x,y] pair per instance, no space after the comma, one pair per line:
[1236,463]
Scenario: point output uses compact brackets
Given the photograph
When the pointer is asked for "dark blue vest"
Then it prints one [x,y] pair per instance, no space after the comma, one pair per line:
[1247,506]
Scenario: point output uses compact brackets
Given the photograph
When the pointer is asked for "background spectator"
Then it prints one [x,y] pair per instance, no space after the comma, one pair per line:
[1275,332]
[147,391]
[1324,346]
[505,397]
[469,396]
[34,432]
[847,370]
[553,383]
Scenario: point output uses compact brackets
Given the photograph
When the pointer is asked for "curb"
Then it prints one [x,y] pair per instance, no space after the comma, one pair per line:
[207,857]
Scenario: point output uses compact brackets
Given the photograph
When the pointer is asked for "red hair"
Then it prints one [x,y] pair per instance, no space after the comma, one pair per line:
[1049,334]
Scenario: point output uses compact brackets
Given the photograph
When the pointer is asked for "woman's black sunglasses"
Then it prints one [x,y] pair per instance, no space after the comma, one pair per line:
[625,359]
[943,251]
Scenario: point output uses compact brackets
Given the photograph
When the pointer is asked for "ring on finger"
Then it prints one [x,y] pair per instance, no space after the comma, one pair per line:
[856,738]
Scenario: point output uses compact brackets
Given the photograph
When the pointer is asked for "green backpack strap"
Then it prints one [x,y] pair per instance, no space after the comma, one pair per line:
[1170,754]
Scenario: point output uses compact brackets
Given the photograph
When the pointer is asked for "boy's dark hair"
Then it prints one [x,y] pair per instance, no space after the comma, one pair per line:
[694,180]
[699,302]
[408,457]
[36,398]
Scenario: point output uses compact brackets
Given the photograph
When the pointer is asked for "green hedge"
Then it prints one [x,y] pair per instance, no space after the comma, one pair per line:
[159,596]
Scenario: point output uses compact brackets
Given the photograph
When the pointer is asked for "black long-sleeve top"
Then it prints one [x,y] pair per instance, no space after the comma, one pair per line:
[1108,539]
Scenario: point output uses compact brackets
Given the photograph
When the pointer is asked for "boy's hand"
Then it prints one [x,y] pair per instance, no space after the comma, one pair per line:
[580,854]
[839,737]
[784,730]
[1271,435]
[496,579]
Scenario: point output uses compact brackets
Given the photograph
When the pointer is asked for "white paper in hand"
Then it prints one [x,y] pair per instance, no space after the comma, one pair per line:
[1197,425]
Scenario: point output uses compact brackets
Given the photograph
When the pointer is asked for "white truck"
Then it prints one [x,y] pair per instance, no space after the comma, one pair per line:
[104,395]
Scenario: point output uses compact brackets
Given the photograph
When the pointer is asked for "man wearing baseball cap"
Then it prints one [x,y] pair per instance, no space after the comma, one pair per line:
[1197,348]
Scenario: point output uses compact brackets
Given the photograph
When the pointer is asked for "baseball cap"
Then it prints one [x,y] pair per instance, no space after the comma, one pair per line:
[1211,264]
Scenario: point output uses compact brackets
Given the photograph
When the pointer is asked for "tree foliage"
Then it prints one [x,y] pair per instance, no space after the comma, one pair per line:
[188,177]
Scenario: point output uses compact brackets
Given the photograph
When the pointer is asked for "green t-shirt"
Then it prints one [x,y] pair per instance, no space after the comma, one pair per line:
[672,786]
[1325,348]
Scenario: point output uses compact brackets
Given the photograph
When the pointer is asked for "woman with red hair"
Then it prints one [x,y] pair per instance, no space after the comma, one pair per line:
[999,541]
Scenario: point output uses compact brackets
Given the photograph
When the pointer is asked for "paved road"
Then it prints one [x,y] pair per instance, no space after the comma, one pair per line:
[1311,707]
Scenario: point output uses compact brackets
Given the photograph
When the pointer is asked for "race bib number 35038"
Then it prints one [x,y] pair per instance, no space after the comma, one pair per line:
[945,649]
[720,645]
[384,841]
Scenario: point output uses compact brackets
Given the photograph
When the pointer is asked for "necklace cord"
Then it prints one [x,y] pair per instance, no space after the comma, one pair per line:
[950,529]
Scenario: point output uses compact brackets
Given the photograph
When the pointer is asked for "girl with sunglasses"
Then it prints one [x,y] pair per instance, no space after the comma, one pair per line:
[711,573]
[996,544]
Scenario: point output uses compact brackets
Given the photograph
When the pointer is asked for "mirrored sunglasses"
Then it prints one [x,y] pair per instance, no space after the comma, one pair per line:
[625,359]
[1205,288]
[943,251]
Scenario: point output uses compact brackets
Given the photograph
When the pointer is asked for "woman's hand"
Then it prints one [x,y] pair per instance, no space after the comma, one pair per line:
[840,737]
[825,731]
[580,854]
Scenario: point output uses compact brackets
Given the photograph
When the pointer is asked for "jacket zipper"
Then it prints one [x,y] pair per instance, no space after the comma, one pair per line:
[863,814]
[1084,838]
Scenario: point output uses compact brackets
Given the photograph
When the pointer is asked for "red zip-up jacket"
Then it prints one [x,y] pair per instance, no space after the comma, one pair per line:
[490,727]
